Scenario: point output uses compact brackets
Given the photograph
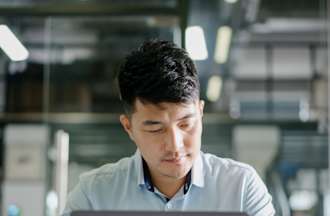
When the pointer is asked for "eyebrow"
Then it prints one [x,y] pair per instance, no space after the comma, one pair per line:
[190,115]
[152,122]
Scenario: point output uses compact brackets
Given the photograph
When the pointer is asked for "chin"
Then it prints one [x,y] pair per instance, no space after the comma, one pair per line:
[178,174]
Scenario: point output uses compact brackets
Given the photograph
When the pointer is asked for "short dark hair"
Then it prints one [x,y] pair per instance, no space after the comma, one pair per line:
[158,71]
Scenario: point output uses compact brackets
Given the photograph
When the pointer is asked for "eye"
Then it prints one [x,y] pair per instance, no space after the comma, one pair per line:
[186,125]
[155,131]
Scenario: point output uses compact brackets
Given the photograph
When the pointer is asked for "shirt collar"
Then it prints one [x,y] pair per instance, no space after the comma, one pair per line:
[147,177]
[195,175]
[139,168]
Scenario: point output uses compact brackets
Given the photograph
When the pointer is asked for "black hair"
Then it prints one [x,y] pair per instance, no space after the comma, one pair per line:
[158,71]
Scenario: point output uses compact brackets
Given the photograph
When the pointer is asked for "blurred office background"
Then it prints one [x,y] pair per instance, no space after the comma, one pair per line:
[263,66]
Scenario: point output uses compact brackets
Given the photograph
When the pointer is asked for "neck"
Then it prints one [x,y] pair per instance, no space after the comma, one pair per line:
[167,185]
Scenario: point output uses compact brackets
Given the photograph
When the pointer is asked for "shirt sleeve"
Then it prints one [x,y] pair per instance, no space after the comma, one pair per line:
[257,200]
[77,199]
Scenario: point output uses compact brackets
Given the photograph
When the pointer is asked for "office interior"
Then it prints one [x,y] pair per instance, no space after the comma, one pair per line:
[263,68]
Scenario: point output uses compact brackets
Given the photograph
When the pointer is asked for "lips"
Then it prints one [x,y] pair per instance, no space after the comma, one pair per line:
[176,160]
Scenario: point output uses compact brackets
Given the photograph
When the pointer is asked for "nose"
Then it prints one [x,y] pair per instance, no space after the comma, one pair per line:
[174,141]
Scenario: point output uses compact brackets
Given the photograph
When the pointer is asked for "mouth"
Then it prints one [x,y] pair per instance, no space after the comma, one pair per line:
[176,160]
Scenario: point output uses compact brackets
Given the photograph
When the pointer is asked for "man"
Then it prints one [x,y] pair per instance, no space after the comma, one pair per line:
[159,87]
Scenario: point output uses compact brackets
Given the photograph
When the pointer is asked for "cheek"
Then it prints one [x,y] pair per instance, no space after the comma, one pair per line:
[147,143]
[196,131]
[194,138]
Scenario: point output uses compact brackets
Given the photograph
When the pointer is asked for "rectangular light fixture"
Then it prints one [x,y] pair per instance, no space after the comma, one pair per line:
[13,48]
[231,1]
[224,36]
[214,86]
[195,43]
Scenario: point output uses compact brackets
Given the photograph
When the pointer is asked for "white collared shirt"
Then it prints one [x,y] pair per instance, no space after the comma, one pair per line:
[217,184]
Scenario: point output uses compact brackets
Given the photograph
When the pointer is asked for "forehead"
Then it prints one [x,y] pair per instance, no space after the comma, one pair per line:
[163,110]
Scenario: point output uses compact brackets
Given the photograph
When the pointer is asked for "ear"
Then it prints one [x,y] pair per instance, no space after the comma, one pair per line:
[201,107]
[125,122]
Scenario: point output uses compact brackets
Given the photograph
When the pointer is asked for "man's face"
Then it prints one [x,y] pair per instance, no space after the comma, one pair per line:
[168,136]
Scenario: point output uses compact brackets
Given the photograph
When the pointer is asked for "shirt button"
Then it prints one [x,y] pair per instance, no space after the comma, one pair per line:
[169,206]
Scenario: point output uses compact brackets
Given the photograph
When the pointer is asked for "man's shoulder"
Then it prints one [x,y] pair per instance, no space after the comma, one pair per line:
[109,170]
[214,163]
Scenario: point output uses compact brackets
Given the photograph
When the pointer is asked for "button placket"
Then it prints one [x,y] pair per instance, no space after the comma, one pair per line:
[168,206]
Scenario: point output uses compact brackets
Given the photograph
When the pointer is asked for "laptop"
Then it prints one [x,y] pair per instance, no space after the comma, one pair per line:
[153,213]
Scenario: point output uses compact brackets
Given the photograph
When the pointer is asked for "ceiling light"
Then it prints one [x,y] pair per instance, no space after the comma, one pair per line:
[231,1]
[195,43]
[222,44]
[11,45]
[214,86]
